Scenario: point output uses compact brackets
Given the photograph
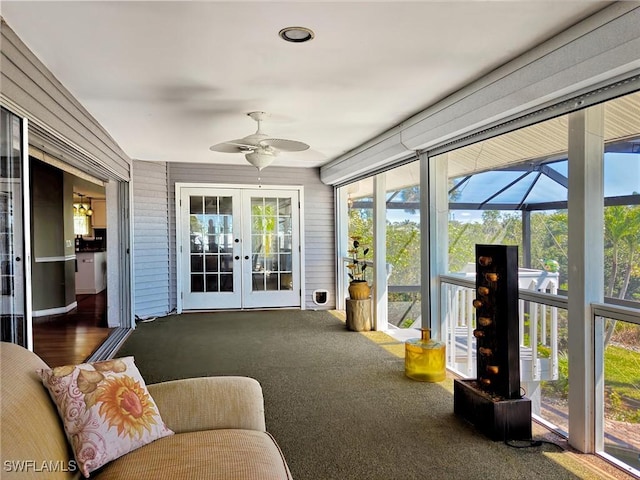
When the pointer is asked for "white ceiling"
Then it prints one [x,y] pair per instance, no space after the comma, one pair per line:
[169,79]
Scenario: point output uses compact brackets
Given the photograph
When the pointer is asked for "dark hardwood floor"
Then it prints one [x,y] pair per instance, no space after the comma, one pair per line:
[72,337]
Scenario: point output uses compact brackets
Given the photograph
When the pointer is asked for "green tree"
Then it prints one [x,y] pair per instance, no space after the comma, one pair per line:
[403,252]
[549,240]
[622,235]
[632,244]
[616,228]
[496,228]
[361,225]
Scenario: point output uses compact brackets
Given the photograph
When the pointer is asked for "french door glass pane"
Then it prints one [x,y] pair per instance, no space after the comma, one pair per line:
[211,244]
[271,230]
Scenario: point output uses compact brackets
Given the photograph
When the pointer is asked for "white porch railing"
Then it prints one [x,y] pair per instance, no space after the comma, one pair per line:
[538,324]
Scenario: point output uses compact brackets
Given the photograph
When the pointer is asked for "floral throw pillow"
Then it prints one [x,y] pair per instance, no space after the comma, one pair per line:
[106,410]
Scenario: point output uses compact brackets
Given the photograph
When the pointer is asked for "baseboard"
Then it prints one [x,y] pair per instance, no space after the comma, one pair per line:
[55,311]
[90,291]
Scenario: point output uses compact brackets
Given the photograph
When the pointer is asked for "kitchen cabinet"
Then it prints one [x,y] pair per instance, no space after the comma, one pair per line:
[91,274]
[99,217]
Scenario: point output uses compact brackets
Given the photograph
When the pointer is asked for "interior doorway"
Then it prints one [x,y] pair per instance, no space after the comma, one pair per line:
[69,264]
[238,248]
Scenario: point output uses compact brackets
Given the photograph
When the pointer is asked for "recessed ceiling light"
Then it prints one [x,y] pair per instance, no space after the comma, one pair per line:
[296,34]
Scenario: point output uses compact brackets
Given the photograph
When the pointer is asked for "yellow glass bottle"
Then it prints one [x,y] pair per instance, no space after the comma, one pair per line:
[424,358]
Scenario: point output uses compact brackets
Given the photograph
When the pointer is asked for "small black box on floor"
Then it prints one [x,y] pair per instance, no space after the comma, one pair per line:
[498,419]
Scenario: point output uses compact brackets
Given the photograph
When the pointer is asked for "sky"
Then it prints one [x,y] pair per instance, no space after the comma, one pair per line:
[621,177]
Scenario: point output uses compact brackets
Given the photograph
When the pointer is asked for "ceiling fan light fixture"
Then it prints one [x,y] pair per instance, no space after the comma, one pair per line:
[296,34]
[259,149]
[260,160]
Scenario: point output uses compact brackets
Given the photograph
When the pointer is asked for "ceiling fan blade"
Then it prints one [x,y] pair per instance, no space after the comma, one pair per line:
[285,145]
[233,146]
[225,148]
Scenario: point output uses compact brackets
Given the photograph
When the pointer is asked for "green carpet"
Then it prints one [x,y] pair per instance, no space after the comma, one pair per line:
[336,401]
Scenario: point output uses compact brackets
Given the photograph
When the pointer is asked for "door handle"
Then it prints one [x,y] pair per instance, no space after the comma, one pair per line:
[18,259]
[237,240]
[246,257]
[237,257]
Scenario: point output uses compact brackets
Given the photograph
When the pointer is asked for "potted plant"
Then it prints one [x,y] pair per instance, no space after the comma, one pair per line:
[358,287]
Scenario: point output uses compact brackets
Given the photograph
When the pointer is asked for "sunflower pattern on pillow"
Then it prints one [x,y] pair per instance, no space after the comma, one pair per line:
[106,410]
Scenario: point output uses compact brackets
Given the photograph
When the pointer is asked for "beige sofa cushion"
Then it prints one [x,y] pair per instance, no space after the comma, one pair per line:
[203,455]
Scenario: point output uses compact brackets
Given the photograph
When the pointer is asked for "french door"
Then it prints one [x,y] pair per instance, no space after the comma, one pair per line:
[239,248]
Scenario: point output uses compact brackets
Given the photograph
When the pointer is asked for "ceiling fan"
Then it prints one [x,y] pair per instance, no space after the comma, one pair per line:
[259,148]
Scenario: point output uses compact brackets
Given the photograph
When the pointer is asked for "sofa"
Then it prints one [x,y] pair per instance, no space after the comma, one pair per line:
[218,424]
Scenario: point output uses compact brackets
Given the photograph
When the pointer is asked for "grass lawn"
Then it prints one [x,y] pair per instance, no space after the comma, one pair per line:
[622,371]
[622,380]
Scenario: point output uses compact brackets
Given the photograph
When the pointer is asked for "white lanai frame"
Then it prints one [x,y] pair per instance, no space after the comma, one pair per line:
[434,213]
[380,287]
[586,267]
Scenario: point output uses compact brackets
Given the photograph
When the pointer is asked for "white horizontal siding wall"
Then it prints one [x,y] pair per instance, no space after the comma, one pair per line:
[151,253]
[319,244]
[319,221]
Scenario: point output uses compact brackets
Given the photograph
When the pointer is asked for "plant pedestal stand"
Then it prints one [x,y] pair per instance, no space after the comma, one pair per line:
[359,315]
